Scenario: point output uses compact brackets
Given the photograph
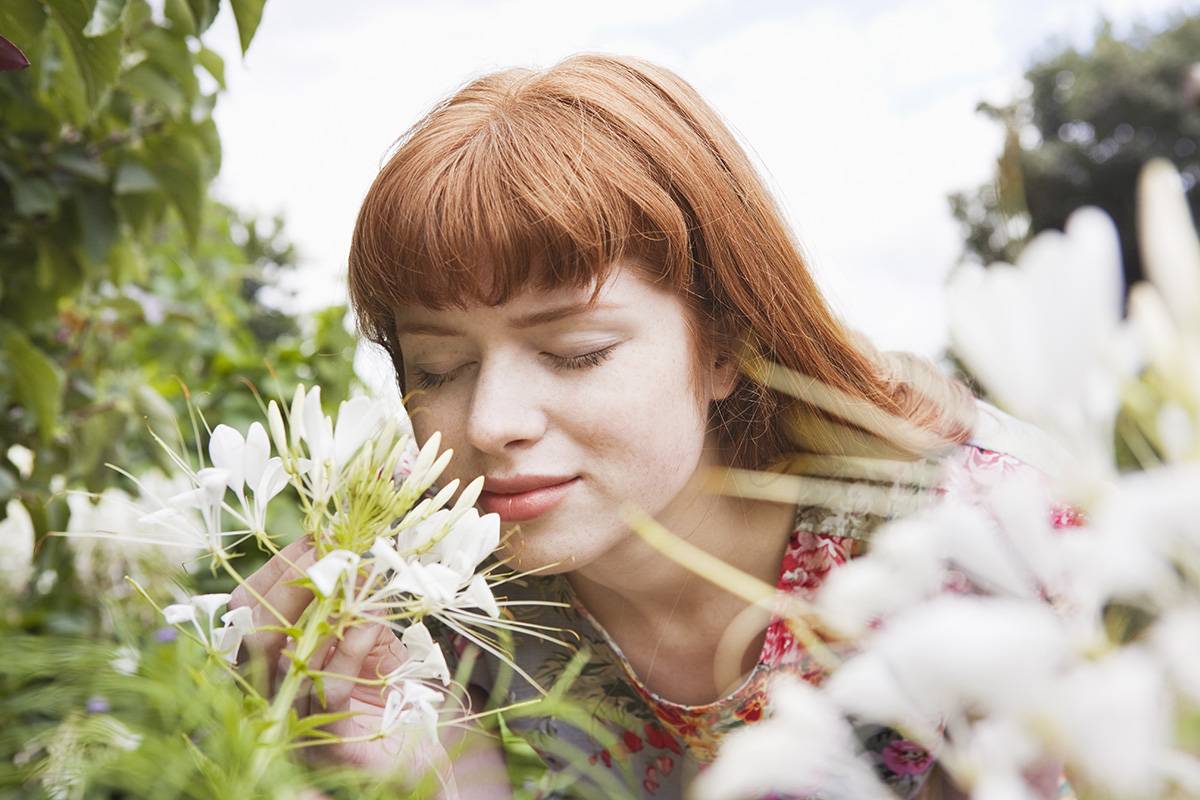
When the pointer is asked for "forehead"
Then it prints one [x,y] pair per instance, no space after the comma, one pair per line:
[626,289]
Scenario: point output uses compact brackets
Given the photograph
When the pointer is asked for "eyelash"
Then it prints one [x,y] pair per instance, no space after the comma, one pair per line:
[430,380]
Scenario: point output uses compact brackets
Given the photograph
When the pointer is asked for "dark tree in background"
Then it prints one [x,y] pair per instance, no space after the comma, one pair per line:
[1082,134]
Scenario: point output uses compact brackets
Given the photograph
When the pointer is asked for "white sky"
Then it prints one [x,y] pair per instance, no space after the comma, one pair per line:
[861,115]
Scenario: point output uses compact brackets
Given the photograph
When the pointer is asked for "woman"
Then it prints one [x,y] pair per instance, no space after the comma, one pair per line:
[566,267]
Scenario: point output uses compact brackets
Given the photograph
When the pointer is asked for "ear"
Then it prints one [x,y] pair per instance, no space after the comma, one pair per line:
[724,375]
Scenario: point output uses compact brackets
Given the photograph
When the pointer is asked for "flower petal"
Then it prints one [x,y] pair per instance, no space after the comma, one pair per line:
[226,450]
[241,618]
[325,573]
[178,613]
[479,595]
[257,451]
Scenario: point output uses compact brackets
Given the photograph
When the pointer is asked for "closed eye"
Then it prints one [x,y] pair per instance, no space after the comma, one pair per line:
[432,380]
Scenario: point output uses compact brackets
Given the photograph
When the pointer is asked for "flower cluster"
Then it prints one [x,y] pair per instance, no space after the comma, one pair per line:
[392,548]
[996,631]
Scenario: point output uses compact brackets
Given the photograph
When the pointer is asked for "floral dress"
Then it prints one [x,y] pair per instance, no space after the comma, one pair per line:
[651,746]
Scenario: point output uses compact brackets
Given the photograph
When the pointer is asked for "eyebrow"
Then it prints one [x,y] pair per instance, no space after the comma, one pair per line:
[520,323]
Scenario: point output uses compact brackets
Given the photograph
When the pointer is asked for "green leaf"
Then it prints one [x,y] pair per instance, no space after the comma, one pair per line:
[132,178]
[33,196]
[247,14]
[213,63]
[8,485]
[179,14]
[22,21]
[181,168]
[97,225]
[82,166]
[146,80]
[105,17]
[59,79]
[204,12]
[38,382]
[92,440]
[126,262]
[170,55]
[98,58]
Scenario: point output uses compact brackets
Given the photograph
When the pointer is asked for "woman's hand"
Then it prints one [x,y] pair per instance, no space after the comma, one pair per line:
[367,651]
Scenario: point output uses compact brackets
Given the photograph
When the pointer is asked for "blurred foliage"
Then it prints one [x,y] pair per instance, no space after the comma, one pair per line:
[153,719]
[1088,124]
[123,288]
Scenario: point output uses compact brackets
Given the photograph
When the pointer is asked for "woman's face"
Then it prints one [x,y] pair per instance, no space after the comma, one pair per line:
[602,396]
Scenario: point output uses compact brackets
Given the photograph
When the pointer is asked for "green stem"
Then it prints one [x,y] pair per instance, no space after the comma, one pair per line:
[273,740]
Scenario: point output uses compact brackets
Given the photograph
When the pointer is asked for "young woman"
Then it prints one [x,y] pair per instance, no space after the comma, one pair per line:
[563,266]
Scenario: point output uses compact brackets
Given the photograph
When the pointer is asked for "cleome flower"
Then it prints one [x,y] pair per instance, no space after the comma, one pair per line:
[249,465]
[200,611]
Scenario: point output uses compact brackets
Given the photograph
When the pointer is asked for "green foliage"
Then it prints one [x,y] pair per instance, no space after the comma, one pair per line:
[69,720]
[1091,120]
[124,289]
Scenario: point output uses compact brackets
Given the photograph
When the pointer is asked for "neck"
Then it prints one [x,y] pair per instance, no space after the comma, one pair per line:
[635,589]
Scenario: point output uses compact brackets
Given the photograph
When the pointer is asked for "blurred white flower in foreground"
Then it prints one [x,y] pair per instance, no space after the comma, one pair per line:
[1046,336]
[1166,310]
[996,631]
[806,747]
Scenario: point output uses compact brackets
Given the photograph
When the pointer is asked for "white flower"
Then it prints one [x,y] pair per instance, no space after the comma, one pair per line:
[434,584]
[1111,718]
[226,642]
[804,748]
[411,703]
[240,618]
[423,657]
[278,432]
[479,595]
[21,458]
[227,450]
[950,655]
[248,463]
[16,548]
[471,539]
[200,610]
[1168,241]
[326,572]
[1176,640]
[1046,337]
[121,535]
[357,420]
[126,660]
[178,613]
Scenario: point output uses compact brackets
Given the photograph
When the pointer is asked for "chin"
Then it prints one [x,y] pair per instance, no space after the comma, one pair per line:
[528,549]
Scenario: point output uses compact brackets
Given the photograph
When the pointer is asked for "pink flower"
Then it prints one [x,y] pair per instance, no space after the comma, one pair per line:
[906,758]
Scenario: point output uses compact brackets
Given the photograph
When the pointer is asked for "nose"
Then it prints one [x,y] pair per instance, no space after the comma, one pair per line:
[506,408]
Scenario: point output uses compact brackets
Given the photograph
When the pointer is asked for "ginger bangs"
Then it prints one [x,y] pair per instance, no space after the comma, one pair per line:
[491,195]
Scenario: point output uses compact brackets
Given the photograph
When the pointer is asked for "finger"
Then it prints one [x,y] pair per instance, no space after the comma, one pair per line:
[304,703]
[267,575]
[287,599]
[347,659]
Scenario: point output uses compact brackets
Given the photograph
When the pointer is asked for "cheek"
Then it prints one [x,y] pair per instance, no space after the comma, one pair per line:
[645,418]
[429,417]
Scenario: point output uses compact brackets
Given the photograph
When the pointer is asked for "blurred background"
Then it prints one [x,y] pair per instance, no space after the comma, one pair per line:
[179,182]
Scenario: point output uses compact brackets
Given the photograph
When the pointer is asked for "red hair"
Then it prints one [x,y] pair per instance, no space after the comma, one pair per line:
[551,178]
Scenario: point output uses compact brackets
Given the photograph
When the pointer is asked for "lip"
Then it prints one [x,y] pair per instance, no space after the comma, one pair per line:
[525,505]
